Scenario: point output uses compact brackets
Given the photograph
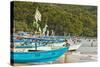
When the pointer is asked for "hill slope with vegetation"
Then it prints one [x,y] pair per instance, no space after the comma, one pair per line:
[62,18]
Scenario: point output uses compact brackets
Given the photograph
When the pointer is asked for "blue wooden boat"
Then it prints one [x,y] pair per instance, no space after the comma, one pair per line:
[34,44]
[37,56]
[30,46]
[56,37]
[43,40]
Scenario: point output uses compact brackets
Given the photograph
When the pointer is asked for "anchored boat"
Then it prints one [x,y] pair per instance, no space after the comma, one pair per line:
[55,43]
[37,56]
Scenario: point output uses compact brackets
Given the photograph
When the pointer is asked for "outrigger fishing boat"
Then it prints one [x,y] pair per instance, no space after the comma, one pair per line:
[38,56]
[48,41]
[46,45]
[38,52]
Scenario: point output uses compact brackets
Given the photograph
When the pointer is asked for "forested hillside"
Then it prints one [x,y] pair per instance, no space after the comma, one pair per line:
[62,18]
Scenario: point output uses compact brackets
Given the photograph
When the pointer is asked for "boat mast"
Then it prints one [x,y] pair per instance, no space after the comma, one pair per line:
[37,18]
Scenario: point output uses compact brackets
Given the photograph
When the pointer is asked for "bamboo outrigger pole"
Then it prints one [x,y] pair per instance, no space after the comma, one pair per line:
[65,58]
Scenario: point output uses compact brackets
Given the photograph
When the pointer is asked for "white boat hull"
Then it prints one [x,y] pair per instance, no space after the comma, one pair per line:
[72,46]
